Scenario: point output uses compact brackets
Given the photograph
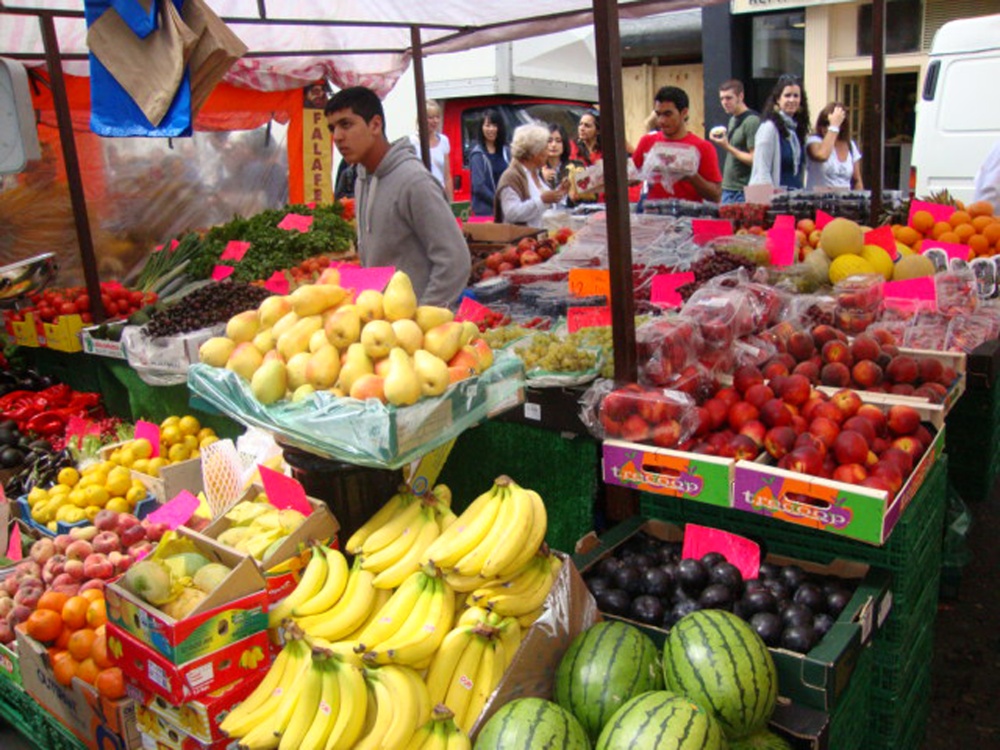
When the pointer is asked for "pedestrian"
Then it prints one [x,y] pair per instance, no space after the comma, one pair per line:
[779,154]
[699,183]
[737,138]
[489,158]
[402,217]
[440,148]
[834,159]
[522,195]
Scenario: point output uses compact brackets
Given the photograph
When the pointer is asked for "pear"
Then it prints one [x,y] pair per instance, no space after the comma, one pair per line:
[243,327]
[317,341]
[369,304]
[469,331]
[245,360]
[356,363]
[432,373]
[313,299]
[368,386]
[216,351]
[445,340]
[296,338]
[399,301]
[270,382]
[296,368]
[330,275]
[342,326]
[272,310]
[284,324]
[274,356]
[428,317]
[401,385]
[408,335]
[303,392]
[323,368]
[378,338]
[264,340]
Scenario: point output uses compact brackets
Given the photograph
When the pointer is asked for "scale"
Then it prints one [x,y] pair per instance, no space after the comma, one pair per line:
[20,279]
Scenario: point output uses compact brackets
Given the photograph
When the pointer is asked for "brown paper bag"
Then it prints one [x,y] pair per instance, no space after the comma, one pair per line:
[214,54]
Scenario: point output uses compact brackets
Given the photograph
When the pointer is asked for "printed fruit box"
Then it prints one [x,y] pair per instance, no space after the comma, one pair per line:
[182,475]
[25,332]
[815,679]
[142,509]
[236,610]
[10,664]
[204,673]
[159,734]
[63,335]
[365,433]
[97,722]
[100,347]
[664,471]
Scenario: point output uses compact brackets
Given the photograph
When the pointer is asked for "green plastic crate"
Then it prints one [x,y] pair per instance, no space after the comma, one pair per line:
[898,665]
[39,728]
[848,722]
[904,623]
[898,721]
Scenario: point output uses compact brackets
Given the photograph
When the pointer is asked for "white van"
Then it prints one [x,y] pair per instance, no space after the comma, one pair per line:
[958,115]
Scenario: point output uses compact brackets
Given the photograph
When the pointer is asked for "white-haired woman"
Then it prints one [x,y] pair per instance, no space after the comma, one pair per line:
[522,195]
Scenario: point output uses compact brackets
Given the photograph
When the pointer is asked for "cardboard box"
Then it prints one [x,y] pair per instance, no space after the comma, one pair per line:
[183,475]
[10,664]
[97,722]
[693,476]
[64,334]
[556,409]
[159,734]
[25,331]
[235,611]
[100,347]
[816,679]
[502,234]
[142,509]
[179,683]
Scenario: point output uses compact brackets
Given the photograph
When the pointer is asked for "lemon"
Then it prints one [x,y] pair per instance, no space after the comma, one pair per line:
[94,479]
[65,511]
[134,495]
[170,435]
[190,442]
[37,495]
[141,448]
[91,468]
[77,497]
[849,265]
[179,452]
[91,511]
[118,484]
[115,456]
[127,457]
[195,453]
[118,505]
[169,421]
[38,514]
[205,432]
[879,259]
[141,465]
[68,476]
[98,496]
[107,466]
[207,441]
[59,489]
[189,425]
[52,526]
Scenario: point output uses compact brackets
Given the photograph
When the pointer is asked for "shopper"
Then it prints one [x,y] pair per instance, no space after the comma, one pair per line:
[556,166]
[988,180]
[737,139]
[402,217]
[440,148]
[585,151]
[779,153]
[700,184]
[834,159]
[489,157]
[522,195]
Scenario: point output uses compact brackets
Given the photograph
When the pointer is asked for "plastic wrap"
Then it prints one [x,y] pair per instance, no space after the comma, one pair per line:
[668,163]
[724,314]
[539,377]
[753,247]
[666,346]
[367,433]
[164,360]
[808,310]
[966,332]
[859,302]
[956,292]
[639,414]
[927,334]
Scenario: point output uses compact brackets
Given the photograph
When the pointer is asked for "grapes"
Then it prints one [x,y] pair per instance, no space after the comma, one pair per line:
[205,307]
[712,265]
[549,352]
[500,337]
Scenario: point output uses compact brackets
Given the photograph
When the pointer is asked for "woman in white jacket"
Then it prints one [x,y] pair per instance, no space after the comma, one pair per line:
[779,156]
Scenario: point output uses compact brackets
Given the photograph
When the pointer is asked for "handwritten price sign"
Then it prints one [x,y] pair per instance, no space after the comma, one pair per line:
[589,282]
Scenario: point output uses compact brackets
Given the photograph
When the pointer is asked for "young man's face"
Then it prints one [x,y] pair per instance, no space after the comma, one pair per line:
[669,119]
[730,100]
[352,136]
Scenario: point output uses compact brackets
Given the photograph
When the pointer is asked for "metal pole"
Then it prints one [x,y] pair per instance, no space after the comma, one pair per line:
[418,80]
[876,127]
[68,142]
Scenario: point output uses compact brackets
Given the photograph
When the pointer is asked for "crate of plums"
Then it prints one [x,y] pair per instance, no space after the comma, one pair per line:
[815,619]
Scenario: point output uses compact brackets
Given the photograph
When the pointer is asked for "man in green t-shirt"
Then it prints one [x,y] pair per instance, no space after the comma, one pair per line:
[737,139]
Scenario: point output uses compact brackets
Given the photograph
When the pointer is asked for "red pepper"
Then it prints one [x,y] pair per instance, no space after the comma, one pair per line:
[83,401]
[6,402]
[47,423]
[57,394]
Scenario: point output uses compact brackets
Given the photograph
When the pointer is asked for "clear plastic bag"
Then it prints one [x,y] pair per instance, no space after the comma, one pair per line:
[666,346]
[724,314]
[667,163]
[808,310]
[164,361]
[637,413]
[965,333]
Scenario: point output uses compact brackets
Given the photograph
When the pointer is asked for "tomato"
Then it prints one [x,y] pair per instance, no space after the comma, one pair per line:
[105,301]
[87,317]
[135,298]
[151,297]
[67,308]
[82,303]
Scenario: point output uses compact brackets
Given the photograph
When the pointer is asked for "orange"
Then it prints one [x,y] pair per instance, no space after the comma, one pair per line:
[99,653]
[807,226]
[978,244]
[922,221]
[959,217]
[74,612]
[110,683]
[96,614]
[63,640]
[940,228]
[52,600]
[44,625]
[80,643]
[64,669]
[87,671]
[980,208]
[908,235]
[964,231]
[948,237]
[92,595]
[981,222]
[992,233]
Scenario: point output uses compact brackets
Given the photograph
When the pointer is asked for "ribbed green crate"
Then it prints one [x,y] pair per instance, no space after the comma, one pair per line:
[897,665]
[910,585]
[904,623]
[848,724]
[898,721]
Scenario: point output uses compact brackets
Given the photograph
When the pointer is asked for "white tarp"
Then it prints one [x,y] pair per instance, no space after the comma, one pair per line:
[446,26]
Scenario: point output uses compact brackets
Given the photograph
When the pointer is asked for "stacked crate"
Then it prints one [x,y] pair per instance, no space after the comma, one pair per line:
[974,438]
[846,732]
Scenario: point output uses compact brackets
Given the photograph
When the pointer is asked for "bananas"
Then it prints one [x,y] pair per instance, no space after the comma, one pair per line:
[251,657]
[382,516]
[440,733]
[466,670]
[523,593]
[311,582]
[400,706]
[333,586]
[420,635]
[262,702]
[354,607]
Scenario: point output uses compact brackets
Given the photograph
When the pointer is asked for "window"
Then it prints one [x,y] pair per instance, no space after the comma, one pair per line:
[903,21]
[778,45]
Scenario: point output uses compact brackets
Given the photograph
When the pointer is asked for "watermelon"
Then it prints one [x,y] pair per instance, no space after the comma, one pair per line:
[760,741]
[718,661]
[605,666]
[661,720]
[532,723]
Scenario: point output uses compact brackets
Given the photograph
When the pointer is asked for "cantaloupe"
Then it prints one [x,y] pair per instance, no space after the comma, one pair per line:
[912,267]
[849,265]
[879,258]
[842,237]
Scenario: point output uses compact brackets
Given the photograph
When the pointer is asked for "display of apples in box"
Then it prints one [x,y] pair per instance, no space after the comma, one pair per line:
[644,414]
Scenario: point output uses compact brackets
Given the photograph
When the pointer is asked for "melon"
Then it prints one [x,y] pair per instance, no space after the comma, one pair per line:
[879,259]
[842,237]
[849,265]
[912,267]
[661,720]
[717,660]
[531,723]
[604,667]
[760,741]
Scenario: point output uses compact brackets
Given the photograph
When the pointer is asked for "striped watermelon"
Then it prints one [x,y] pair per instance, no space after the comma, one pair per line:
[661,720]
[760,741]
[718,661]
[530,724]
[605,666]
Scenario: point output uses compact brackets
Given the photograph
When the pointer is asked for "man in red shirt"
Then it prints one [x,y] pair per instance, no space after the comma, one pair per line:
[671,107]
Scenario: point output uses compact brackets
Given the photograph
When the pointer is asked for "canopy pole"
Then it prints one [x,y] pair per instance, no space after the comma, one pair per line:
[75,183]
[876,128]
[418,80]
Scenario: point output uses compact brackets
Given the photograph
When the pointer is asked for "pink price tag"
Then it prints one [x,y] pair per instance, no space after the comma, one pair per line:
[939,211]
[174,244]
[14,545]
[708,229]
[663,290]
[740,551]
[822,219]
[783,221]
[911,289]
[235,250]
[359,279]
[311,204]
[781,245]
[222,272]
[278,283]
[471,310]
[176,512]
[77,427]
[883,237]
[587,317]
[284,492]
[953,249]
[151,432]
[296,223]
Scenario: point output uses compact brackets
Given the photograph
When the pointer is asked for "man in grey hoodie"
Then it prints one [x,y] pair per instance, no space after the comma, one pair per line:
[402,217]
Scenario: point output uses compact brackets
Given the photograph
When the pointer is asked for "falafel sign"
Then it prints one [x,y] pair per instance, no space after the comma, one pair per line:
[317,155]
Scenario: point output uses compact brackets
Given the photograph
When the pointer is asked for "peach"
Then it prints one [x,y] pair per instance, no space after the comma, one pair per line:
[79,550]
[755,430]
[105,542]
[746,376]
[889,473]
[850,474]
[925,391]
[743,448]
[847,401]
[808,369]
[866,374]
[931,370]
[758,394]
[835,374]
[900,458]
[74,568]
[667,434]
[829,410]
[717,410]
[850,447]
[903,420]
[823,333]
[779,440]
[98,565]
[635,429]
[808,440]
[740,413]
[861,426]
[865,347]
[703,421]
[825,429]
[837,351]
[795,390]
[874,415]
[42,550]
[612,428]
[878,483]
[729,396]
[903,389]
[774,369]
[910,445]
[775,413]
[62,542]
[805,460]
[903,369]
[801,345]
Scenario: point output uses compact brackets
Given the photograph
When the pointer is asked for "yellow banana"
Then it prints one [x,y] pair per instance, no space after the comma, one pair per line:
[391,617]
[348,613]
[463,584]
[393,529]
[487,676]
[440,730]
[462,683]
[290,658]
[306,707]
[445,661]
[378,520]
[405,705]
[353,707]
[397,548]
[422,633]
[313,578]
[381,597]
[465,533]
[428,737]
[472,562]
[456,739]
[474,616]
[510,635]
[523,584]
[419,689]
[265,731]
[526,621]
[413,620]
[445,519]
[442,493]
[380,714]
[395,574]
[327,710]
[534,540]
[522,601]
[333,586]
[515,535]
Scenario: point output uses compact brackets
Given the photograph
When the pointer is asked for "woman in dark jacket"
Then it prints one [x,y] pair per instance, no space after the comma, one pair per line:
[488,159]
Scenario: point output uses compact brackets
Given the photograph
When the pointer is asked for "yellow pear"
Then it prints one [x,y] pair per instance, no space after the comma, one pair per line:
[399,302]
[272,310]
[243,327]
[216,351]
[302,392]
[469,331]
[313,299]
[274,356]
[329,276]
[284,324]
[378,338]
[296,368]
[445,340]
[264,340]
[296,338]
[245,360]
[432,373]
[323,368]
[342,326]
[429,316]
[401,385]
[408,335]
[269,383]
[317,341]
[356,363]
[368,386]
[369,304]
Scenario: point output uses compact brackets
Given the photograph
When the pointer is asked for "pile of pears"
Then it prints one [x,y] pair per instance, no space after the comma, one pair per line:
[380,345]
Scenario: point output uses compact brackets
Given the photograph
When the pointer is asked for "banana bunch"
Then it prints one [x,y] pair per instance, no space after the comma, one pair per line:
[345,615]
[523,595]
[466,670]
[398,705]
[403,498]
[509,630]
[441,733]
[258,528]
[322,584]
[409,628]
[496,536]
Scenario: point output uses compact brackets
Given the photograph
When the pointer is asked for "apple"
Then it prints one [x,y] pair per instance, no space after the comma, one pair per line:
[530,258]
[105,542]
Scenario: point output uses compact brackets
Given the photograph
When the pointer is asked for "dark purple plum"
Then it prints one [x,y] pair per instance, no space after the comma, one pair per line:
[753,584]
[598,583]
[822,624]
[836,601]
[628,579]
[812,596]
[642,561]
[799,638]
[797,614]
[680,609]
[760,600]
[614,602]
[768,626]
[729,576]
[767,571]
[607,567]
[692,576]
[711,559]
[778,588]
[657,582]
[716,596]
[793,576]
[647,609]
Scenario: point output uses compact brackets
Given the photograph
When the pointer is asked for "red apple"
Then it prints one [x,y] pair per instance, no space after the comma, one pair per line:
[850,447]
[779,440]
[903,420]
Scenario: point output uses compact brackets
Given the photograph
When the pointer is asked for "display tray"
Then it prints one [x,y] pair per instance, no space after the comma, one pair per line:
[367,433]
[101,347]
[142,509]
